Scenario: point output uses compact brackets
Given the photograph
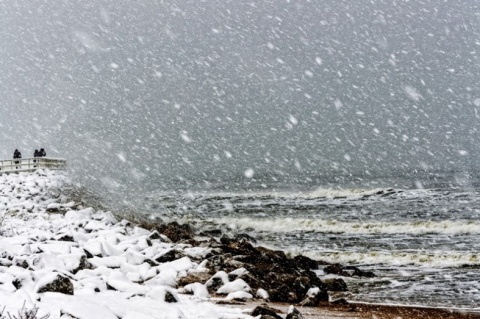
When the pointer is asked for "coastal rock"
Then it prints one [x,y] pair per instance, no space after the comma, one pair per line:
[176,232]
[265,268]
[335,284]
[243,236]
[336,269]
[239,296]
[237,274]
[163,294]
[21,262]
[340,301]
[305,262]
[196,289]
[293,313]
[217,281]
[211,233]
[190,278]
[263,294]
[265,311]
[234,286]
[170,255]
[347,271]
[360,273]
[82,264]
[314,297]
[55,283]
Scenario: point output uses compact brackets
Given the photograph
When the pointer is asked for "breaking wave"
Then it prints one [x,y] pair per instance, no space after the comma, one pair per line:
[338,227]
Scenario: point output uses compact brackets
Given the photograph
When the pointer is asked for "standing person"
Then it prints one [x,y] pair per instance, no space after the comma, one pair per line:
[17,155]
[35,154]
[42,153]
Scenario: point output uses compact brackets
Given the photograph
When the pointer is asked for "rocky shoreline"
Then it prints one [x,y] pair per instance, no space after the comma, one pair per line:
[71,261]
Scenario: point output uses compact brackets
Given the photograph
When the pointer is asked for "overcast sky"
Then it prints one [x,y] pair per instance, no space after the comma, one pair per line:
[130,91]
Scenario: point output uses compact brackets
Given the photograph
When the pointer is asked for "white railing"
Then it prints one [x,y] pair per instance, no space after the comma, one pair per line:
[31,164]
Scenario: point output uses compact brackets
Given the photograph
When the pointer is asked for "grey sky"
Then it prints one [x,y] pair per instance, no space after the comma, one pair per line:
[127,90]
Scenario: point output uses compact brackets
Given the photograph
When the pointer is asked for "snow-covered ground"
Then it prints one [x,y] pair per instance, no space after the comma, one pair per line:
[104,267]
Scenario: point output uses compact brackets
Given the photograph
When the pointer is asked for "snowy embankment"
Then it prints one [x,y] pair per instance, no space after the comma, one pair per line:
[74,262]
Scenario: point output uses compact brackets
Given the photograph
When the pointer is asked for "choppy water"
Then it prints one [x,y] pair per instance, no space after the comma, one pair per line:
[420,236]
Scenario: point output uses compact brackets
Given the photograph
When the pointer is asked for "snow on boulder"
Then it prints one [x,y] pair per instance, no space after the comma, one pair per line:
[25,250]
[237,273]
[95,225]
[17,300]
[109,250]
[78,307]
[237,285]
[163,293]
[181,264]
[138,231]
[57,247]
[202,267]
[107,218]
[216,281]
[263,294]
[197,253]
[239,295]
[79,214]
[167,277]
[53,207]
[6,281]
[109,262]
[312,292]
[93,247]
[137,315]
[197,289]
[293,313]
[54,283]
[118,281]
[314,296]
[134,258]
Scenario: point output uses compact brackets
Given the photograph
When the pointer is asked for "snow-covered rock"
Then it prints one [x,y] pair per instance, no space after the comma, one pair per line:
[55,283]
[236,285]
[76,262]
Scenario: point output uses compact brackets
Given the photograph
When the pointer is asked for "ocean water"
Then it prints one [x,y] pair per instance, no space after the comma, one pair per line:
[418,232]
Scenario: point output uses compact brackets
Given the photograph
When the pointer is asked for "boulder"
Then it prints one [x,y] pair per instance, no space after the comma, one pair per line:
[211,233]
[357,272]
[293,313]
[335,284]
[193,277]
[340,301]
[170,255]
[303,262]
[82,264]
[347,271]
[175,231]
[265,311]
[284,279]
[55,283]
[313,297]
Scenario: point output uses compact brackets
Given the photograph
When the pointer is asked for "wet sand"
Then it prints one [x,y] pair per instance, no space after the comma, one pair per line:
[367,311]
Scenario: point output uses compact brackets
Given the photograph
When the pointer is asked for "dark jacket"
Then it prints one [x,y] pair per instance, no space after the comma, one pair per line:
[17,154]
[42,153]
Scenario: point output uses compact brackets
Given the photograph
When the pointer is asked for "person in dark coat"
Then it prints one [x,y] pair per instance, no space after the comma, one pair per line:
[36,154]
[17,155]
[42,153]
